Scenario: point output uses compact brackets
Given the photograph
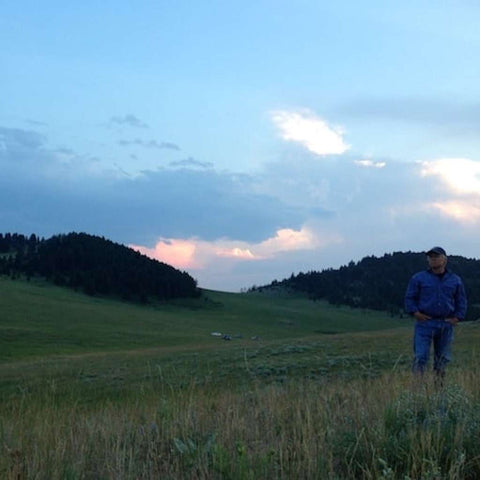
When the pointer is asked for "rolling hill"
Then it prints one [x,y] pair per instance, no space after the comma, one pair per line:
[94,265]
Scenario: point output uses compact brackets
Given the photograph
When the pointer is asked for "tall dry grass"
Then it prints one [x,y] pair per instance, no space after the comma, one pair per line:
[389,427]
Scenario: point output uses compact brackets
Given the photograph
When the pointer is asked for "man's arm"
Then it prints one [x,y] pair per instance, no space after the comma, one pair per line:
[460,301]
[411,296]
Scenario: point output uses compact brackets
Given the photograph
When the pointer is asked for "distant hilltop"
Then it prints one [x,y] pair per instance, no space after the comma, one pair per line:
[378,282]
[93,265]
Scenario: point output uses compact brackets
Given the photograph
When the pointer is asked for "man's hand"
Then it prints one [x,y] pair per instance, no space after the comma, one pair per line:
[421,317]
[452,320]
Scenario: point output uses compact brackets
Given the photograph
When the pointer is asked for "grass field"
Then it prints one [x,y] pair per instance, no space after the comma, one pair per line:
[96,388]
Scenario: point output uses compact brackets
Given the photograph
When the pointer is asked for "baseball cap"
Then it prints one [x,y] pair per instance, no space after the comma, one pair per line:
[436,251]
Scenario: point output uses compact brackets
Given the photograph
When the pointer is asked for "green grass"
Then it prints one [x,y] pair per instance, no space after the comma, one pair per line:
[99,389]
[38,319]
[103,348]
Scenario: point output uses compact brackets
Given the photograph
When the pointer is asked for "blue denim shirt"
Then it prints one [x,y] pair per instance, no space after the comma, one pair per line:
[435,295]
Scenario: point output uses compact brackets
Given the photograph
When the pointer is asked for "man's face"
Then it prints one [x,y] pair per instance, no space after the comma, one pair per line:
[436,260]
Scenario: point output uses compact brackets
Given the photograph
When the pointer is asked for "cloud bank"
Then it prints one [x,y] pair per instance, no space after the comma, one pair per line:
[232,230]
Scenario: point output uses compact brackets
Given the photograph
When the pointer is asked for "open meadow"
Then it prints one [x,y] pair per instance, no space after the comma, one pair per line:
[96,388]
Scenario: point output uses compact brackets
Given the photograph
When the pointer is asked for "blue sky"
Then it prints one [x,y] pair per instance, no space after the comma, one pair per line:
[243,141]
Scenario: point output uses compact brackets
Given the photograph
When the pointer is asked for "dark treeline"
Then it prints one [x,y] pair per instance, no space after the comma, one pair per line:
[94,265]
[379,283]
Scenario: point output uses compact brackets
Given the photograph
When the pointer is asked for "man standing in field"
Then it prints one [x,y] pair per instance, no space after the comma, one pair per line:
[436,299]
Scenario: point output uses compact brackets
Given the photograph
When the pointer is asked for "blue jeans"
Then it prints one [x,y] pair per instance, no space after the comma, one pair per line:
[436,332]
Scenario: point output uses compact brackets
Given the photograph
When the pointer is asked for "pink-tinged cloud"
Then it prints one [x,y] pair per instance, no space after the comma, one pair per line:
[460,175]
[461,180]
[464,212]
[176,252]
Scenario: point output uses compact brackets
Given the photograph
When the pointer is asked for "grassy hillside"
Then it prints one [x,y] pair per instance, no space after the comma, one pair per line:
[93,388]
[39,319]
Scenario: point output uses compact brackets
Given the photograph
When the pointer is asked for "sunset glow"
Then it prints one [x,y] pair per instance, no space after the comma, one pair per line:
[176,252]
[198,254]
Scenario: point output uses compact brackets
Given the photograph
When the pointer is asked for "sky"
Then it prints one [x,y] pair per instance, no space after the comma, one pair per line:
[243,141]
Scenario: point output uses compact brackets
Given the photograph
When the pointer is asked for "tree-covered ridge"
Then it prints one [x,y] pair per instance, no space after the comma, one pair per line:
[94,265]
[380,283]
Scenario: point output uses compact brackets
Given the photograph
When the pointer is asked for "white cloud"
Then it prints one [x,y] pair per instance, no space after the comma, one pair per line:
[284,240]
[370,164]
[287,239]
[460,175]
[310,131]
[236,252]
